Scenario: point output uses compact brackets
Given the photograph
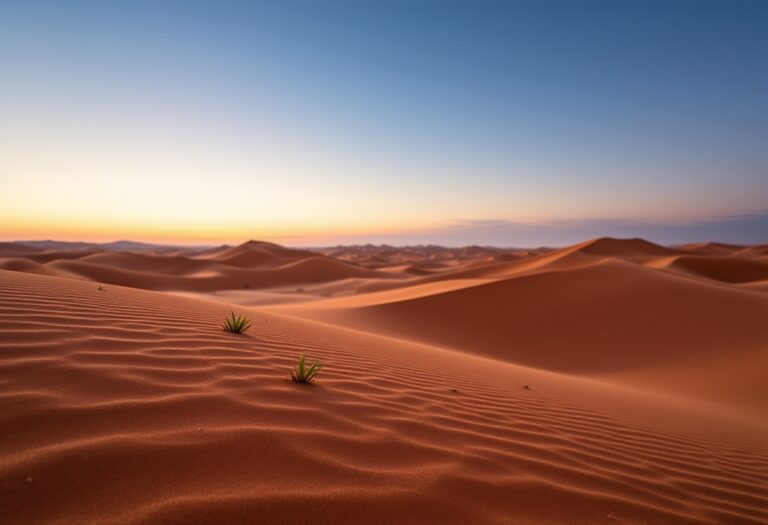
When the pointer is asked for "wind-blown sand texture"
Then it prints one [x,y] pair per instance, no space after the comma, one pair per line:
[124,402]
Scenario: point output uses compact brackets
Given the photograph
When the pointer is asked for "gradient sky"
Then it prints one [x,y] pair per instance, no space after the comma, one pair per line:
[317,122]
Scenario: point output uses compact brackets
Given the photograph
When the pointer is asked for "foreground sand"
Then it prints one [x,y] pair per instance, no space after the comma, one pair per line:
[131,406]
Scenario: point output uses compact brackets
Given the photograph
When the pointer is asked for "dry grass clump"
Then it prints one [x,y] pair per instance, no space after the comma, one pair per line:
[305,372]
[236,324]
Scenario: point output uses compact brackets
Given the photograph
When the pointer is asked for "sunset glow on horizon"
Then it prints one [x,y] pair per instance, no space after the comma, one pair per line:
[204,123]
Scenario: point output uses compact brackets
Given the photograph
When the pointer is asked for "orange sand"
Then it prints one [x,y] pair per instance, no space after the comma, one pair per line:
[647,398]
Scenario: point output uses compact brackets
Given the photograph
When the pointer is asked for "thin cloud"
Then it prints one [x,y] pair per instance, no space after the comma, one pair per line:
[743,229]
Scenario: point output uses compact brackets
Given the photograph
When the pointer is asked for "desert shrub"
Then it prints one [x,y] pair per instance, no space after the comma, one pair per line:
[305,372]
[236,324]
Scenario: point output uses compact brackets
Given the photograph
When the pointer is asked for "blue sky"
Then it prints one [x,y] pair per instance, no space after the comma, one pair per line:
[316,122]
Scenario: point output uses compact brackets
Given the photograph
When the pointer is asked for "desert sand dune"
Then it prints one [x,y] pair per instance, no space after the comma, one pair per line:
[254,254]
[734,378]
[591,319]
[132,406]
[141,262]
[25,264]
[205,276]
[12,249]
[622,248]
[66,255]
[249,266]
[712,248]
[425,258]
[646,402]
[579,255]
[718,268]
[596,250]
[259,265]
[757,285]
[759,250]
[201,252]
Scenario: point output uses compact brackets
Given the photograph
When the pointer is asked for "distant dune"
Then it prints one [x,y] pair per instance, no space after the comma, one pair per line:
[614,381]
[258,254]
[623,248]
[718,268]
[253,265]
[11,249]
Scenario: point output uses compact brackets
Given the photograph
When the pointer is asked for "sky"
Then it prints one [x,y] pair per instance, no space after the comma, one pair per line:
[327,122]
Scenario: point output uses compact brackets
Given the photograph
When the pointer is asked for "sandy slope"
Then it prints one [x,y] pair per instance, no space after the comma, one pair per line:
[646,364]
[717,268]
[623,309]
[130,406]
[607,317]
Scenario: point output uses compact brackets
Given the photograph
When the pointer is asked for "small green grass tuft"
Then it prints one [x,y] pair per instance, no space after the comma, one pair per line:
[236,324]
[305,372]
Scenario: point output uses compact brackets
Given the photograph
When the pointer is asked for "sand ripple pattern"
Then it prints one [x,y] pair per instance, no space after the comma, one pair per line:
[127,406]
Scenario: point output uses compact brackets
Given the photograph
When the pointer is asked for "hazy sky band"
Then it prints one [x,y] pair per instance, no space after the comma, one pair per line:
[225,120]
